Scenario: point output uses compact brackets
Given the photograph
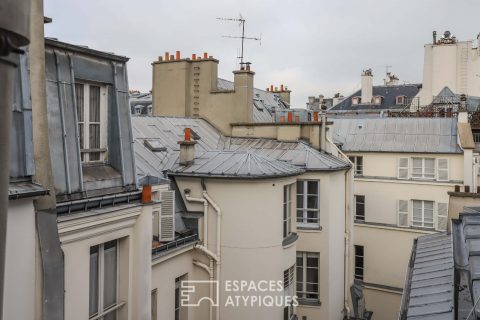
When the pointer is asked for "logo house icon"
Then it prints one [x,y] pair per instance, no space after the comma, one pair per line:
[189,288]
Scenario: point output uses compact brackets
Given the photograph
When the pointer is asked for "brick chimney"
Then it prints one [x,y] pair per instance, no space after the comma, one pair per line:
[367,86]
[283,92]
[187,148]
[243,97]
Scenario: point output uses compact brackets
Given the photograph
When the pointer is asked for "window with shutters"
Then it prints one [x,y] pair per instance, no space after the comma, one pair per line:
[167,216]
[288,290]
[359,208]
[423,168]
[308,203]
[357,164]
[442,216]
[402,208]
[442,170]
[359,262]
[91,103]
[287,210]
[103,280]
[308,266]
[422,213]
[403,168]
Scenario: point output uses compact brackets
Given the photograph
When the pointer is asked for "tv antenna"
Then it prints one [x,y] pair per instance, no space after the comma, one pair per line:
[387,67]
[241,23]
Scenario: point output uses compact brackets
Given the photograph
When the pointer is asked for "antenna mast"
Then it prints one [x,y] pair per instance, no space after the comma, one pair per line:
[241,21]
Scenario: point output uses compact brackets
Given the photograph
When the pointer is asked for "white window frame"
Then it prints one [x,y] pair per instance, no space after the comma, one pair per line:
[356,198]
[86,150]
[357,167]
[401,101]
[304,220]
[287,210]
[302,294]
[362,267]
[423,169]
[103,310]
[423,223]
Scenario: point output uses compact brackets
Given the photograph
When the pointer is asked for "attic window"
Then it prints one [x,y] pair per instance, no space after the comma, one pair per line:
[154,145]
[355,100]
[258,104]
[400,100]
[377,99]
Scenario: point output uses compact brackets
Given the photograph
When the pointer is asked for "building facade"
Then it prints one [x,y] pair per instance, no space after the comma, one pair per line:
[404,169]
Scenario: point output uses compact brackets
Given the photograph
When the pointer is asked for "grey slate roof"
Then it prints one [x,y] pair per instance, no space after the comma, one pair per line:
[473,103]
[389,94]
[411,135]
[429,292]
[213,147]
[264,103]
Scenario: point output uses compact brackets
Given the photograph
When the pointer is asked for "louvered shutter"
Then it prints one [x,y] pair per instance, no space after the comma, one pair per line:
[167,216]
[403,213]
[442,216]
[442,165]
[403,168]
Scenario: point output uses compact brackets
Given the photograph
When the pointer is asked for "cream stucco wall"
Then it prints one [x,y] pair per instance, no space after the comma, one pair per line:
[387,248]
[330,243]
[251,231]
[132,226]
[19,286]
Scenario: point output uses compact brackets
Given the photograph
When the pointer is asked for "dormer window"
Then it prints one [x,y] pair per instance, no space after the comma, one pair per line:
[92,121]
[377,99]
[400,100]
[356,100]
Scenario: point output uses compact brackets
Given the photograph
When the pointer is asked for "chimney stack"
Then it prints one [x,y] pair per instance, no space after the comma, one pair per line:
[367,86]
[434,37]
[187,148]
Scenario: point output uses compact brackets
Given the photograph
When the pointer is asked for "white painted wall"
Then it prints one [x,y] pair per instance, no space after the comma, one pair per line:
[19,286]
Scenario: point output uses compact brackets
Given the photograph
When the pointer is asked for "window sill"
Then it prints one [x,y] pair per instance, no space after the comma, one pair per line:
[309,303]
[309,228]
[289,240]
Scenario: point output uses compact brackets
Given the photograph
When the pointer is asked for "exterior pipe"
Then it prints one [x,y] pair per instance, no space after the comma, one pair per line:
[219,234]
[209,270]
[323,140]
[205,215]
[209,253]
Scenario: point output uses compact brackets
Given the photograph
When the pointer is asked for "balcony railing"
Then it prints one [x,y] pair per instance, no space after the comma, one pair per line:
[174,244]
[476,137]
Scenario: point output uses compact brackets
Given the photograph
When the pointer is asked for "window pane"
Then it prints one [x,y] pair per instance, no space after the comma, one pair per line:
[81,134]
[110,274]
[94,104]
[312,202]
[312,275]
[299,187]
[299,201]
[94,136]
[93,294]
[300,216]
[312,262]
[312,187]
[79,100]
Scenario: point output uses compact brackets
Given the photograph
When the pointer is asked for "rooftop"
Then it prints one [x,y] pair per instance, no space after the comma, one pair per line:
[246,157]
[389,94]
[411,135]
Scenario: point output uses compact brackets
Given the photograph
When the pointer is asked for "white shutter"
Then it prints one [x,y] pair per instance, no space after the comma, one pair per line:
[442,216]
[402,213]
[442,165]
[167,216]
[403,168]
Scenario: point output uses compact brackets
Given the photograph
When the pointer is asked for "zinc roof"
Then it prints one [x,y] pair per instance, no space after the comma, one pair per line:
[411,135]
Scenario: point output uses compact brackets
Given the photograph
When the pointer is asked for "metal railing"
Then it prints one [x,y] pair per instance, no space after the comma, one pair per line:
[174,244]
[476,137]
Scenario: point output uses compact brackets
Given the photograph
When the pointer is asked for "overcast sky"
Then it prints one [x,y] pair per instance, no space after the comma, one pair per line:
[313,47]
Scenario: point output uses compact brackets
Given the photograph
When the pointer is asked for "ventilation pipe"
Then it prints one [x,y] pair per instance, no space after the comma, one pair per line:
[323,137]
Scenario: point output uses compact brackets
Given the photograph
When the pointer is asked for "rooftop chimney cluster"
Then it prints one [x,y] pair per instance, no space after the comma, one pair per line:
[275,89]
[177,56]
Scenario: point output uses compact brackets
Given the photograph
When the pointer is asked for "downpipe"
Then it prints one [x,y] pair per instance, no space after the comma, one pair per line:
[209,270]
